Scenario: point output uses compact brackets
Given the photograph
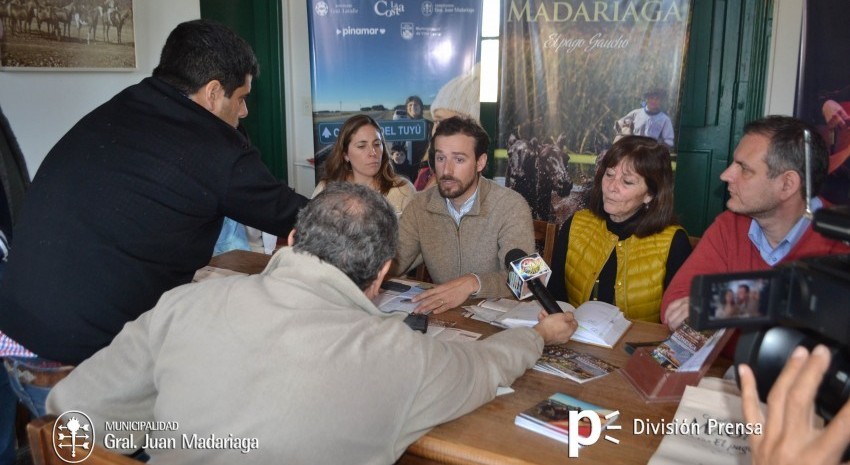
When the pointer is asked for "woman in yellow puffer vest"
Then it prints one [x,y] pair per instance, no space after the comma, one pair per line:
[626,246]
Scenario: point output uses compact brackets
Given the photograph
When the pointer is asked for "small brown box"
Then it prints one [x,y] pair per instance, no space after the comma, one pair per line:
[658,384]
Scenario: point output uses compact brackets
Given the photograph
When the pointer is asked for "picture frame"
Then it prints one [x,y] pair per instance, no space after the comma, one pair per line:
[67,35]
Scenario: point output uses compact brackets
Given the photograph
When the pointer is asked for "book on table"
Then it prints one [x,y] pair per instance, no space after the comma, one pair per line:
[561,361]
[687,349]
[600,323]
[551,416]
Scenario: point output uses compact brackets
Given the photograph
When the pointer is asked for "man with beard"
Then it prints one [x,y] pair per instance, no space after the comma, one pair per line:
[463,228]
[766,222]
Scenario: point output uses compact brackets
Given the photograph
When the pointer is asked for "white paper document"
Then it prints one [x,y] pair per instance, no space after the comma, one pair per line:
[716,433]
[390,301]
[600,323]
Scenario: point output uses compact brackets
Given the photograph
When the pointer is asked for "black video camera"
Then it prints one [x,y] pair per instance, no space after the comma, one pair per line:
[799,303]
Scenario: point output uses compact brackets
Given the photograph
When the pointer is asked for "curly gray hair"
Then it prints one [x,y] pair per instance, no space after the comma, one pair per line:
[350,226]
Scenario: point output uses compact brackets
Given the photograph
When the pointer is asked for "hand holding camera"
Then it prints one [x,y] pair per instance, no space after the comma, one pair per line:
[791,436]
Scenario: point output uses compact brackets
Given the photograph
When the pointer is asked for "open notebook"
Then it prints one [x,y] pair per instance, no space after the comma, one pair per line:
[600,323]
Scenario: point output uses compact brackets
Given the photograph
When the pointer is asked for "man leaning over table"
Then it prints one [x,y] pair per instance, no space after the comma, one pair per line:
[313,371]
[765,223]
[464,226]
[130,202]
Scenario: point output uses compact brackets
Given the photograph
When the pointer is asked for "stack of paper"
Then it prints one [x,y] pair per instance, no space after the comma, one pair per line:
[444,330]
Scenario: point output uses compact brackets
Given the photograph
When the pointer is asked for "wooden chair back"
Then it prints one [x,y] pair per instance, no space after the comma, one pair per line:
[544,237]
[420,273]
[40,433]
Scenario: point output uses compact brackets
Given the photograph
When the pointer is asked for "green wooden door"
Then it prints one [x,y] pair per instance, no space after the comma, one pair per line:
[723,89]
[259,22]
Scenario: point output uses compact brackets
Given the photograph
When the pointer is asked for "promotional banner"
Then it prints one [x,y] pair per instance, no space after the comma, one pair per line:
[391,60]
[823,97]
[576,76]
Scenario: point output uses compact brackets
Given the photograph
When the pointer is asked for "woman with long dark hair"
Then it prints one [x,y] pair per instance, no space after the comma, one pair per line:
[626,246]
[360,155]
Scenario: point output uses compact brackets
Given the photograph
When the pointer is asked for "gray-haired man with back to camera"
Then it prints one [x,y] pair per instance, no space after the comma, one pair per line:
[302,351]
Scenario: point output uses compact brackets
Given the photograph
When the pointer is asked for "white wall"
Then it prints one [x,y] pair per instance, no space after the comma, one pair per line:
[298,95]
[784,55]
[42,106]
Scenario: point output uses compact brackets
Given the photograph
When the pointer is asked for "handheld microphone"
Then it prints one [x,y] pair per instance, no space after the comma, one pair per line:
[527,276]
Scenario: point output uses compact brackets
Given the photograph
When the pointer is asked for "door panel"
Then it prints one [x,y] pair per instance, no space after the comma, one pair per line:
[693,169]
[259,23]
[724,88]
[707,116]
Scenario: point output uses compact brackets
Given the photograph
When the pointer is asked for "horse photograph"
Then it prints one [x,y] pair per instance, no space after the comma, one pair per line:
[541,172]
[67,35]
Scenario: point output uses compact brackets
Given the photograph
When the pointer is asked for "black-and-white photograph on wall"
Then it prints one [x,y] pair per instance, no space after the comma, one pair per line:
[67,35]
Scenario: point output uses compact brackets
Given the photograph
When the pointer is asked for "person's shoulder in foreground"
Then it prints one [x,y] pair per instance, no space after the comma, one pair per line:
[304,352]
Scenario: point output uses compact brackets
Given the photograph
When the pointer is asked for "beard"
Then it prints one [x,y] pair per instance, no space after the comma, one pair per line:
[457,190]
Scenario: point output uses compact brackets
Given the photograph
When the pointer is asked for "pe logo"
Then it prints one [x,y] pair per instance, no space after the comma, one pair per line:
[580,419]
[73,436]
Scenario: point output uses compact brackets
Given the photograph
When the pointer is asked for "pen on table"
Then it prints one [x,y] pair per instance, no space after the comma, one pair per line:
[594,294]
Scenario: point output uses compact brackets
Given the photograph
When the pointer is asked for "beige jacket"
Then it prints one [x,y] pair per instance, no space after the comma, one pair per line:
[296,361]
[499,221]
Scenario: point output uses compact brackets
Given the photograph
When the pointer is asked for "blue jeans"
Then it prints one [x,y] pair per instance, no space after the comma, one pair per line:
[8,410]
[33,397]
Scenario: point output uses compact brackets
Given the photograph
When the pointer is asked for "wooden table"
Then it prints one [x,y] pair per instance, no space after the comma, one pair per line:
[240,260]
[488,435]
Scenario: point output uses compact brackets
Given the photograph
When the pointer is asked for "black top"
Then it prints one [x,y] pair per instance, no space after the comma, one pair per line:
[420,147]
[680,248]
[127,205]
